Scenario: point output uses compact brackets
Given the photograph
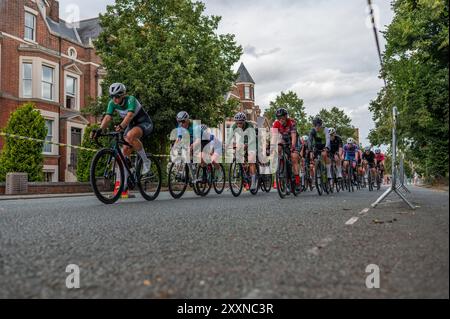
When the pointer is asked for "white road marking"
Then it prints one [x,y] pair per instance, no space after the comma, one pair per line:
[352,220]
[364,211]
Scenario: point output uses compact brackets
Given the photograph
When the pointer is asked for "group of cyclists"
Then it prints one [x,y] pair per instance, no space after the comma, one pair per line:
[342,163]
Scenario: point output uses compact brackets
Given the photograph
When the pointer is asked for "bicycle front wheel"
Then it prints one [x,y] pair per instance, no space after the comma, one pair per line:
[107,176]
[236,179]
[218,179]
[178,179]
[149,184]
[281,178]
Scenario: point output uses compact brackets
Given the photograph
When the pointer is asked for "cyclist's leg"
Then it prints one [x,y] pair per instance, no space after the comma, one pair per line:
[295,158]
[327,162]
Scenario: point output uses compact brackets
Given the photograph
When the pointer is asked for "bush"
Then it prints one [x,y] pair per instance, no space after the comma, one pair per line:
[21,155]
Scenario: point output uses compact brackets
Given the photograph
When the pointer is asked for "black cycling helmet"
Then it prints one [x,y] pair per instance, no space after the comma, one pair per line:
[281,112]
[317,122]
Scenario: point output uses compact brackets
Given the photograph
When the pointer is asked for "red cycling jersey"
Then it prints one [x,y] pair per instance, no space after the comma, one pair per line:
[290,127]
[379,157]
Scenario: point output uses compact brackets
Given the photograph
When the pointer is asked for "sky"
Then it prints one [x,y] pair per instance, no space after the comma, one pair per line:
[324,50]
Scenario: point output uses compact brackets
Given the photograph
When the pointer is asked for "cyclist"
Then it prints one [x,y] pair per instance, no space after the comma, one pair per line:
[361,171]
[350,154]
[287,126]
[212,146]
[380,158]
[304,155]
[336,150]
[319,142]
[240,122]
[369,162]
[135,122]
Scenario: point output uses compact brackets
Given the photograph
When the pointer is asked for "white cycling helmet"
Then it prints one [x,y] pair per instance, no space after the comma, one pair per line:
[367,149]
[331,131]
[377,151]
[117,89]
[350,140]
[182,116]
[305,138]
[240,117]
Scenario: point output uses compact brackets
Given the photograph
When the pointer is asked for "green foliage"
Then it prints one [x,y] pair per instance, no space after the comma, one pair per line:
[24,156]
[416,69]
[169,56]
[291,102]
[336,118]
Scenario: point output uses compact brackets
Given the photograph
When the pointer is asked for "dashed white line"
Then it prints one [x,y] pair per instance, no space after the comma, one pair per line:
[352,220]
[364,211]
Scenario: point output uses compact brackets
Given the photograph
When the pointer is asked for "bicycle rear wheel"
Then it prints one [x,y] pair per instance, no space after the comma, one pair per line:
[107,176]
[204,180]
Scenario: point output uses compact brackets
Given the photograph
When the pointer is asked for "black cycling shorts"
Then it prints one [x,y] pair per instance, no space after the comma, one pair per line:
[143,121]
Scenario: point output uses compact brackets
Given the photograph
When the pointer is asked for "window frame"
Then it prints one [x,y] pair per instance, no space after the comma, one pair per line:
[33,28]
[51,152]
[73,95]
[52,84]
[23,79]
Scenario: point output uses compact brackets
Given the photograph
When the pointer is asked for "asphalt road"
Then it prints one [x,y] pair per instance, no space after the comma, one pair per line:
[223,247]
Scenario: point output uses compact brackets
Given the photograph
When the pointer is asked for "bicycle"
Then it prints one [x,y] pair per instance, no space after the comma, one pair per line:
[182,174]
[108,167]
[285,177]
[350,177]
[337,181]
[239,174]
[307,181]
[321,177]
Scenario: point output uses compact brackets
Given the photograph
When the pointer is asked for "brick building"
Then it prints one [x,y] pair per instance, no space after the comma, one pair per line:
[53,64]
[243,90]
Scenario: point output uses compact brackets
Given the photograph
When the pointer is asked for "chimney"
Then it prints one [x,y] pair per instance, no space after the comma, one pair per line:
[53,11]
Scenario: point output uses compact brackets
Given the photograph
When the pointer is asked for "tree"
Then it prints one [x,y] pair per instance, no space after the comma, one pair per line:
[336,118]
[294,106]
[416,66]
[169,56]
[24,156]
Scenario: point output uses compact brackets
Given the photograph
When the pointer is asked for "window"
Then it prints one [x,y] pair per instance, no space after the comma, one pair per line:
[27,79]
[47,82]
[247,93]
[71,89]
[48,147]
[72,53]
[30,26]
[48,177]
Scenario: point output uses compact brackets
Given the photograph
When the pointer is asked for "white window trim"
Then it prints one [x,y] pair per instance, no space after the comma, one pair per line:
[99,87]
[53,84]
[35,14]
[22,78]
[69,126]
[77,93]
[37,77]
[52,169]
[76,53]
[249,92]
[53,116]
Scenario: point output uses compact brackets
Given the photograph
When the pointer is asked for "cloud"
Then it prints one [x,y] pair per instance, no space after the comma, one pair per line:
[252,51]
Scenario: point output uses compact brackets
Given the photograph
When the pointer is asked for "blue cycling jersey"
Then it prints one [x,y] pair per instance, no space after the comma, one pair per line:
[350,151]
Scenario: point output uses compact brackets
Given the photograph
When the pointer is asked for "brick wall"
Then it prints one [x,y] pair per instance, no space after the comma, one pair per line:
[54,188]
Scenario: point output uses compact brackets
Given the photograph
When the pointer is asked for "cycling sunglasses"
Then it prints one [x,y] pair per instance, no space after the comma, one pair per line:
[115,96]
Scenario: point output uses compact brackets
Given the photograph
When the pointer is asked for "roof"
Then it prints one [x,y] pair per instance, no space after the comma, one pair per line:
[63,29]
[88,29]
[244,75]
